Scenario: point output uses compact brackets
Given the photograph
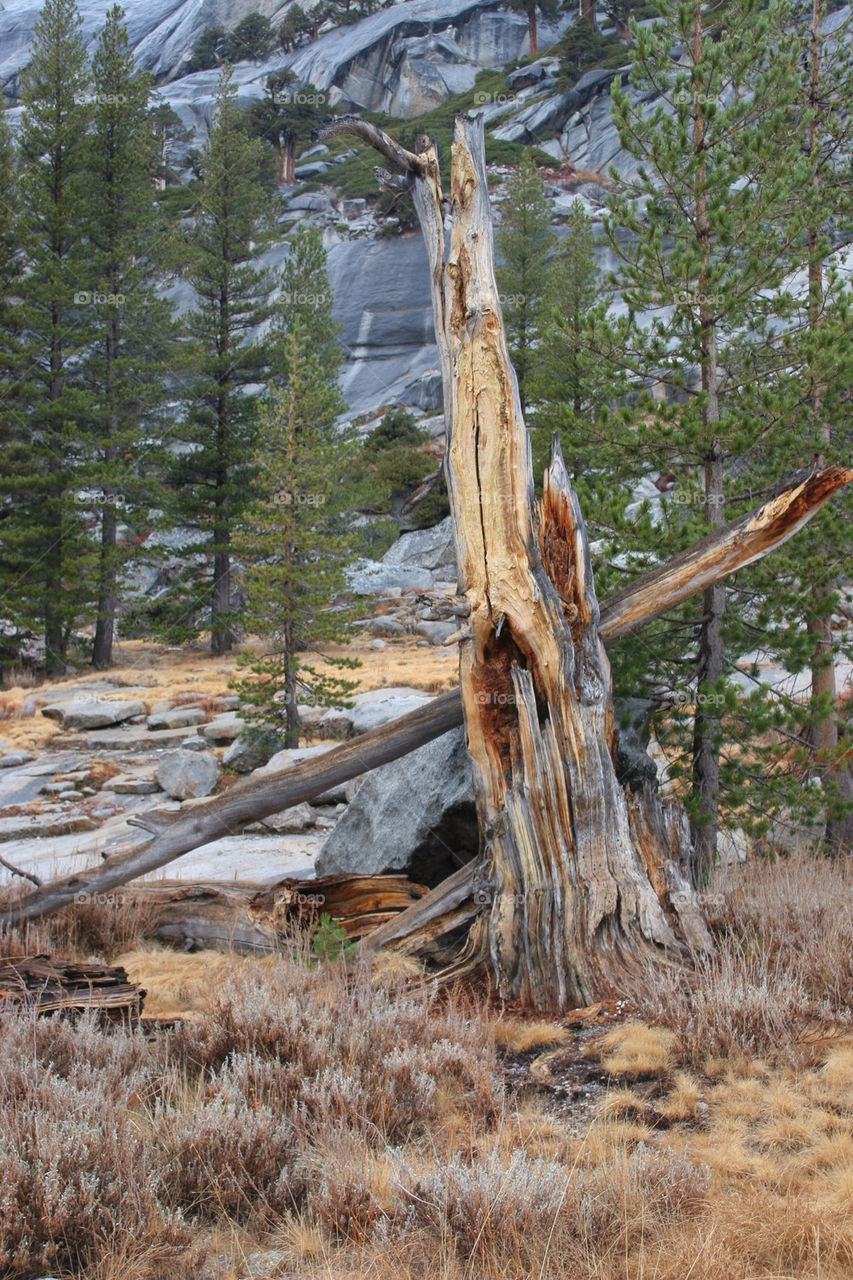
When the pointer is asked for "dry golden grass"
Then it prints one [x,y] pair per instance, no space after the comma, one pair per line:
[160,673]
[179,985]
[521,1037]
[636,1050]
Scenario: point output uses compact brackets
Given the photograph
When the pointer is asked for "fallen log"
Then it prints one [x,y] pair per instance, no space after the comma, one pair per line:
[723,551]
[257,919]
[720,553]
[47,986]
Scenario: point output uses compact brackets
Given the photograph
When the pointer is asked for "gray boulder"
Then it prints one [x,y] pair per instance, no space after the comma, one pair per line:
[431,549]
[297,818]
[415,815]
[370,710]
[176,718]
[126,784]
[436,632]
[92,714]
[533,74]
[223,728]
[385,626]
[249,751]
[187,775]
[314,169]
[14,759]
[296,755]
[369,577]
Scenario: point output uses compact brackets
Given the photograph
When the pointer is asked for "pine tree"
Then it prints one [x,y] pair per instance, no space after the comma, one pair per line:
[704,241]
[531,7]
[297,529]
[525,242]
[284,117]
[810,366]
[10,272]
[223,249]
[10,251]
[252,38]
[568,385]
[126,363]
[46,555]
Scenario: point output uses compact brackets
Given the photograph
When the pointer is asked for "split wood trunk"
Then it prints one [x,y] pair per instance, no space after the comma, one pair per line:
[570,911]
[48,985]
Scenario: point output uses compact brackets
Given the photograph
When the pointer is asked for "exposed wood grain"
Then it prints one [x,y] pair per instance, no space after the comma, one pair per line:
[46,985]
[257,918]
[721,553]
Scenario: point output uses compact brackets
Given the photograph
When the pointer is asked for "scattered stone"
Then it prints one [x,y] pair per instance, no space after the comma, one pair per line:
[14,759]
[133,738]
[385,626]
[298,818]
[187,774]
[250,751]
[177,718]
[314,169]
[436,632]
[66,797]
[223,728]
[415,814]
[193,744]
[92,715]
[126,784]
[163,705]
[378,644]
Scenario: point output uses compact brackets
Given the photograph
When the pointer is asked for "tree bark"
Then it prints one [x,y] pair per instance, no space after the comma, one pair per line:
[531,30]
[102,650]
[220,633]
[824,733]
[588,10]
[709,659]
